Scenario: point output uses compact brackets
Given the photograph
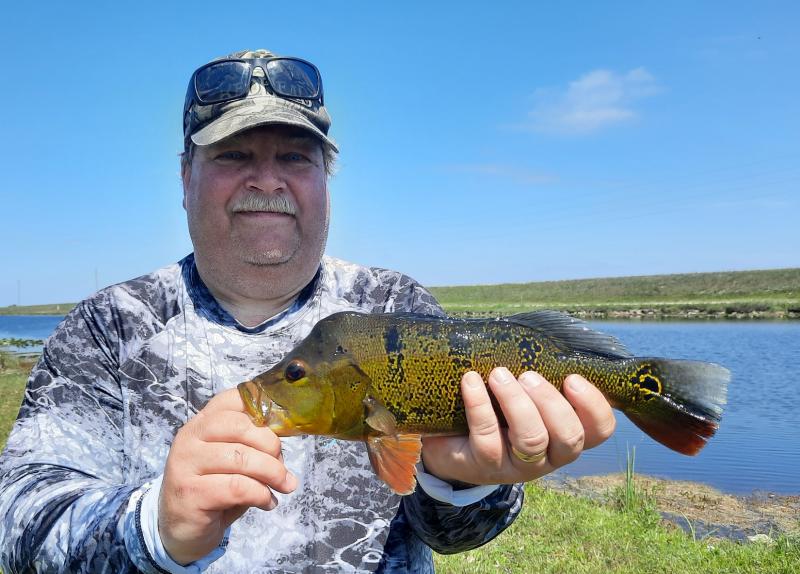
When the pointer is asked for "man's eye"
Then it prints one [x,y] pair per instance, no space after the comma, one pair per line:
[231,155]
[294,156]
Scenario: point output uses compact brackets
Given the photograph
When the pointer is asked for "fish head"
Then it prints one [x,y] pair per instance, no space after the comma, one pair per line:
[290,399]
[311,391]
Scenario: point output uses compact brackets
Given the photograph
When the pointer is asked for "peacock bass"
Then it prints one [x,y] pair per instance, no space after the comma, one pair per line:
[388,379]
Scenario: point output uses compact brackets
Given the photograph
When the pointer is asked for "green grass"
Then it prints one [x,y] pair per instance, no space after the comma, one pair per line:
[558,532]
[629,497]
[50,309]
[770,293]
[13,375]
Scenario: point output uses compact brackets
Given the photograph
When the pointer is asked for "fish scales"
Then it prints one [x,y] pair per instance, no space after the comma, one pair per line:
[416,366]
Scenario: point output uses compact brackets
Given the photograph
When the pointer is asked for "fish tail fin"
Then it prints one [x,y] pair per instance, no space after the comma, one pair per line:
[679,403]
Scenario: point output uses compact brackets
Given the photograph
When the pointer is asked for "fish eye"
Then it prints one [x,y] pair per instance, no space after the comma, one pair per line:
[295,371]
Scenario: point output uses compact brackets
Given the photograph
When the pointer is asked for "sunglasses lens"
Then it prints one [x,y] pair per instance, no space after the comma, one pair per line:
[293,78]
[223,81]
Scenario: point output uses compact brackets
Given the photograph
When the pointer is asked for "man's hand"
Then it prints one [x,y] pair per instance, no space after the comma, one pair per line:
[219,465]
[546,429]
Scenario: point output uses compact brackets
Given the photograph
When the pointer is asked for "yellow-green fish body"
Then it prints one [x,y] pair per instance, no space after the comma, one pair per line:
[387,378]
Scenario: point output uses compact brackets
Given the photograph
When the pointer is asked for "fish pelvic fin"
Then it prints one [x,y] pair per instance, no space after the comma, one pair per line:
[378,417]
[394,459]
[680,402]
[394,456]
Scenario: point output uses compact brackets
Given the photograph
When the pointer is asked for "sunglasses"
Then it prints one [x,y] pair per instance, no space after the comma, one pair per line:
[228,80]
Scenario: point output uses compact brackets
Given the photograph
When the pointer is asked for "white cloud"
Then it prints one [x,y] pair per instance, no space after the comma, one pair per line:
[597,100]
[518,174]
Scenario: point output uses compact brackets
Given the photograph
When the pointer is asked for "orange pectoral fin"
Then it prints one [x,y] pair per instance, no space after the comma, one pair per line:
[394,459]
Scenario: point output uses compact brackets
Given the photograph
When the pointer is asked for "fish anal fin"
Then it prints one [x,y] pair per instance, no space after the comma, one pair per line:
[394,459]
[378,417]
[683,433]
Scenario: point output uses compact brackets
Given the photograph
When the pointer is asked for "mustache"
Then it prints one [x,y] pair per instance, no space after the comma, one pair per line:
[268,203]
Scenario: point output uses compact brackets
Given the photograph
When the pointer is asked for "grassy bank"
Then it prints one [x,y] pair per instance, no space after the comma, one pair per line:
[768,294]
[559,532]
[50,309]
[740,294]
[13,375]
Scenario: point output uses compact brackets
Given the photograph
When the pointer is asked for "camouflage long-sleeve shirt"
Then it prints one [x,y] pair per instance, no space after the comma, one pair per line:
[129,366]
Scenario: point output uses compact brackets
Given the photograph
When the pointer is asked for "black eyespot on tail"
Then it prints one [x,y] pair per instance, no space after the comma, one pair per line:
[647,381]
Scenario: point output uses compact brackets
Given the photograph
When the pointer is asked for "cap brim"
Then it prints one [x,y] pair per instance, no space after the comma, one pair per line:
[261,112]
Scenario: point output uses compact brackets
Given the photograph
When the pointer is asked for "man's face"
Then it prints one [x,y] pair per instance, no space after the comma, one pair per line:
[258,202]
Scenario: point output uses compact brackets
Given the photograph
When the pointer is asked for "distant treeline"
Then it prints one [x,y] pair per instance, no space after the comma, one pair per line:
[20,343]
[769,294]
[54,309]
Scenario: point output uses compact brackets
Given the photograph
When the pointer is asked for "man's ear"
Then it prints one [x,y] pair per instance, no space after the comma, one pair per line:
[186,174]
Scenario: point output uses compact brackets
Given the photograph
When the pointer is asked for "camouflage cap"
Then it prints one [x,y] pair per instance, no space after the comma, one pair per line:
[205,125]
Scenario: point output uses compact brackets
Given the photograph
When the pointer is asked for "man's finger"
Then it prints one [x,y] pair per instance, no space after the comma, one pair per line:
[236,427]
[527,434]
[234,458]
[484,428]
[229,400]
[219,492]
[564,428]
[592,409]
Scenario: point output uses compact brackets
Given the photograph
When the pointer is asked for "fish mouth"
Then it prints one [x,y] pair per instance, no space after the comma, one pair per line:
[264,411]
[258,409]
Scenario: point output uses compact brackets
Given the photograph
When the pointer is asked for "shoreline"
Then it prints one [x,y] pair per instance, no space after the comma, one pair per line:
[636,314]
[765,294]
[633,315]
[694,507]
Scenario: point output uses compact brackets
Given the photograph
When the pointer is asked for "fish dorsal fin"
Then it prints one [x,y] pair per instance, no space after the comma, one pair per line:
[394,459]
[571,334]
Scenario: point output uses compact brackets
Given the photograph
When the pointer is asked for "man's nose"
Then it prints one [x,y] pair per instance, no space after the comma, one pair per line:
[266,176]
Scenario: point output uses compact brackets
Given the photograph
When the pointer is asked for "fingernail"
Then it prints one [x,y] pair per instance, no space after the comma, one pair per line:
[576,384]
[530,380]
[473,380]
[273,502]
[503,375]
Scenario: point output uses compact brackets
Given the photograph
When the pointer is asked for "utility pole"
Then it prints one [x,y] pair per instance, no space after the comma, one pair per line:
[96,284]
[19,292]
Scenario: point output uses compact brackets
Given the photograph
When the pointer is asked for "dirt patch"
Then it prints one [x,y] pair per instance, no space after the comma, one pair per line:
[697,507]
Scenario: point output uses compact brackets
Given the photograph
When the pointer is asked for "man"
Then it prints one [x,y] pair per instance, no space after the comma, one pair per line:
[132,450]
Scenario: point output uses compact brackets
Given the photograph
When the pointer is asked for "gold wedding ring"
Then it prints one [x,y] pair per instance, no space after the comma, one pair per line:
[528,457]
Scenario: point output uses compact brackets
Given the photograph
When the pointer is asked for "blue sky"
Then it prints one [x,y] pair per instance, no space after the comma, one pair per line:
[480,142]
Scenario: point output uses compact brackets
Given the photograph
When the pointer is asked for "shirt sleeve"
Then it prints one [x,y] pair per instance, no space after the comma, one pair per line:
[443,491]
[64,501]
[148,541]
[450,529]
